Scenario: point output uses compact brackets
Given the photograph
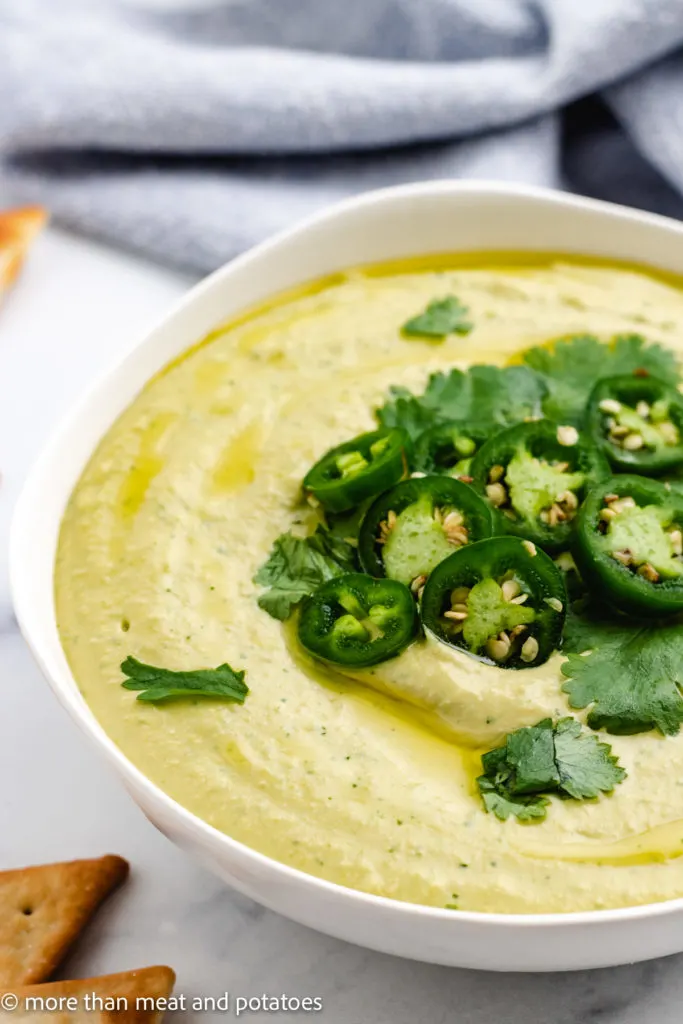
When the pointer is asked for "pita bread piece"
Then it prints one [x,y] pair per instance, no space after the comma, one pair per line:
[18,228]
[128,998]
[44,909]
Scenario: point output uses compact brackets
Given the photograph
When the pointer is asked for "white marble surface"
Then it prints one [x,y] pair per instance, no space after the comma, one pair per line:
[76,307]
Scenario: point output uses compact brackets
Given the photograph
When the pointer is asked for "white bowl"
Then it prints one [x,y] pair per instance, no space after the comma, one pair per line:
[423,218]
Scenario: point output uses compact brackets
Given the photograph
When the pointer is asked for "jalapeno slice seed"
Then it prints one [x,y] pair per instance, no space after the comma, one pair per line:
[358,621]
[638,423]
[359,469]
[448,448]
[501,600]
[414,526]
[535,475]
[629,545]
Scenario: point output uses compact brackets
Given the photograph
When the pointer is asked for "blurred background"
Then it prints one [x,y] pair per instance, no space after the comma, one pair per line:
[189,129]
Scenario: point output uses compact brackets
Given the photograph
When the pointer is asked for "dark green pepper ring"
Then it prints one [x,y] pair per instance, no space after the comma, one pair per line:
[448,448]
[411,528]
[358,621]
[502,600]
[536,475]
[638,423]
[629,545]
[359,469]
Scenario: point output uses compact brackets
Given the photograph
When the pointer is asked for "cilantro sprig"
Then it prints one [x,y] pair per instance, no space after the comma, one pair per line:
[629,673]
[161,684]
[554,381]
[570,367]
[505,805]
[543,759]
[441,318]
[484,396]
[297,566]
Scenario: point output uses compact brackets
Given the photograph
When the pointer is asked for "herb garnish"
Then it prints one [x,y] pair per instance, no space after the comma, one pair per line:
[555,381]
[542,759]
[160,684]
[441,318]
[570,367]
[297,566]
[497,801]
[632,677]
[625,672]
[484,396]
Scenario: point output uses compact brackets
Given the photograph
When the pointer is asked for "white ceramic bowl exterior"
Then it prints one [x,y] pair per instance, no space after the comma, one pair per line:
[392,223]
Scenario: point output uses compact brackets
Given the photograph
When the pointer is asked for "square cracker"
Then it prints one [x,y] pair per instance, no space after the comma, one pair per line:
[18,228]
[44,909]
[89,999]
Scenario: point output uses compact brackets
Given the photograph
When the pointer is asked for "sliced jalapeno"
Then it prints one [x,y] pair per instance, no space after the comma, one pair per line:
[448,448]
[629,545]
[638,423]
[358,621]
[359,469]
[418,523]
[502,600]
[536,475]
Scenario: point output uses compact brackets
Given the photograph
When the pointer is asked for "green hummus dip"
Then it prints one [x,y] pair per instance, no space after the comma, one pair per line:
[180,505]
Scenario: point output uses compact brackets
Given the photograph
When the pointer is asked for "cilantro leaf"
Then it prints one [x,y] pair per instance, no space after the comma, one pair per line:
[572,365]
[486,396]
[526,764]
[160,684]
[440,318]
[330,544]
[555,381]
[403,409]
[541,759]
[504,806]
[632,678]
[586,767]
[297,566]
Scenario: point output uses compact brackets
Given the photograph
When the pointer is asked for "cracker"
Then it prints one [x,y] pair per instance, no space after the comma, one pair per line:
[18,228]
[92,999]
[44,909]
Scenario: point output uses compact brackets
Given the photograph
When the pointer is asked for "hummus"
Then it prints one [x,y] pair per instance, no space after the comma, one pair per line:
[180,505]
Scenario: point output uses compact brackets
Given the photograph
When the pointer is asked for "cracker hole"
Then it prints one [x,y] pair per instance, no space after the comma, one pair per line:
[27,911]
[125,625]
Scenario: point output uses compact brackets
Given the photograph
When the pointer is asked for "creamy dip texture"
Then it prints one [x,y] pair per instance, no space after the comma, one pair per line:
[180,505]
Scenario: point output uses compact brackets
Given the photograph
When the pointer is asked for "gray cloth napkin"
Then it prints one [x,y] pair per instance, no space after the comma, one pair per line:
[190,129]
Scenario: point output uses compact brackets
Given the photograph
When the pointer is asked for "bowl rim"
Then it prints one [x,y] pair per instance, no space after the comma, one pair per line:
[69,696]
